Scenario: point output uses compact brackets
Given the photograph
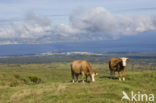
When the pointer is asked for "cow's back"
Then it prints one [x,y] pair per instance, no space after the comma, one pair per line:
[115,64]
[78,66]
[112,62]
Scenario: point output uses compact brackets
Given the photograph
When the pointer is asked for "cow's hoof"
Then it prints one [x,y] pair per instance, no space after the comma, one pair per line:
[73,81]
[119,79]
[123,79]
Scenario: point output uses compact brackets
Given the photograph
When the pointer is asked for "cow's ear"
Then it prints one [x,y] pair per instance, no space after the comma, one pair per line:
[128,60]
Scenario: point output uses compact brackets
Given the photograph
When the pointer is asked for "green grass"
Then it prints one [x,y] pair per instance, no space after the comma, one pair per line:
[16,87]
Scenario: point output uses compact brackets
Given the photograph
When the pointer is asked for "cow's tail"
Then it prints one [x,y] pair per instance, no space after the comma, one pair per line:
[109,65]
[71,67]
[72,72]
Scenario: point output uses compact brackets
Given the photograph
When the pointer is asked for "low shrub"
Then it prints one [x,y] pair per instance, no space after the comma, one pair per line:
[35,79]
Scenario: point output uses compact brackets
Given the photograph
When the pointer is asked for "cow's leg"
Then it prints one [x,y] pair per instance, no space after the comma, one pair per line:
[119,75]
[73,77]
[111,74]
[77,77]
[123,75]
[86,77]
[82,76]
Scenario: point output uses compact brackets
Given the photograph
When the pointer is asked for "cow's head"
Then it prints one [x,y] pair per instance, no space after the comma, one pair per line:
[93,75]
[124,61]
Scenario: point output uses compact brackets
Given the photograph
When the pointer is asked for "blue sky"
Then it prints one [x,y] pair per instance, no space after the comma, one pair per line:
[18,8]
[48,21]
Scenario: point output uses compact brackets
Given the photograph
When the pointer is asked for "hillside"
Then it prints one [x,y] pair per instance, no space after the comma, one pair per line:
[54,84]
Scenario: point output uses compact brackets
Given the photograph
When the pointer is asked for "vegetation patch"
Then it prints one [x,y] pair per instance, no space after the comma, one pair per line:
[24,83]
[35,79]
[17,80]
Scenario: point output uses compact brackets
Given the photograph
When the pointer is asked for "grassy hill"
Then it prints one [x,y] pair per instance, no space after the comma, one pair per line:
[50,83]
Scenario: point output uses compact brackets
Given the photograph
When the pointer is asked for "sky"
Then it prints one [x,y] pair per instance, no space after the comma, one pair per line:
[51,21]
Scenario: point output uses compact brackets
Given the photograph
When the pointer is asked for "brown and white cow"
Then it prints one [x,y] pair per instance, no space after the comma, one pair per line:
[82,67]
[118,65]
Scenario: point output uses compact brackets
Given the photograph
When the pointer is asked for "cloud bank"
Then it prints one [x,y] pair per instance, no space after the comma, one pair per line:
[93,24]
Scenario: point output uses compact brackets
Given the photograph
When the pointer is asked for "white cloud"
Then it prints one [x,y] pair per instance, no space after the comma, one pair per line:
[105,22]
[93,24]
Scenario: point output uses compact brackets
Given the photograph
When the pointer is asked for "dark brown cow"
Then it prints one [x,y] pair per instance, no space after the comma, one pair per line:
[118,65]
[82,67]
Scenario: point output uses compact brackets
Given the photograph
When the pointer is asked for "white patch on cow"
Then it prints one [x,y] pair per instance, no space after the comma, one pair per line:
[124,61]
[123,78]
[93,79]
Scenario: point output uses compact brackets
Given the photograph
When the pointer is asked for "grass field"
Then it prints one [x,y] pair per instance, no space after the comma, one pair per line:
[53,84]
